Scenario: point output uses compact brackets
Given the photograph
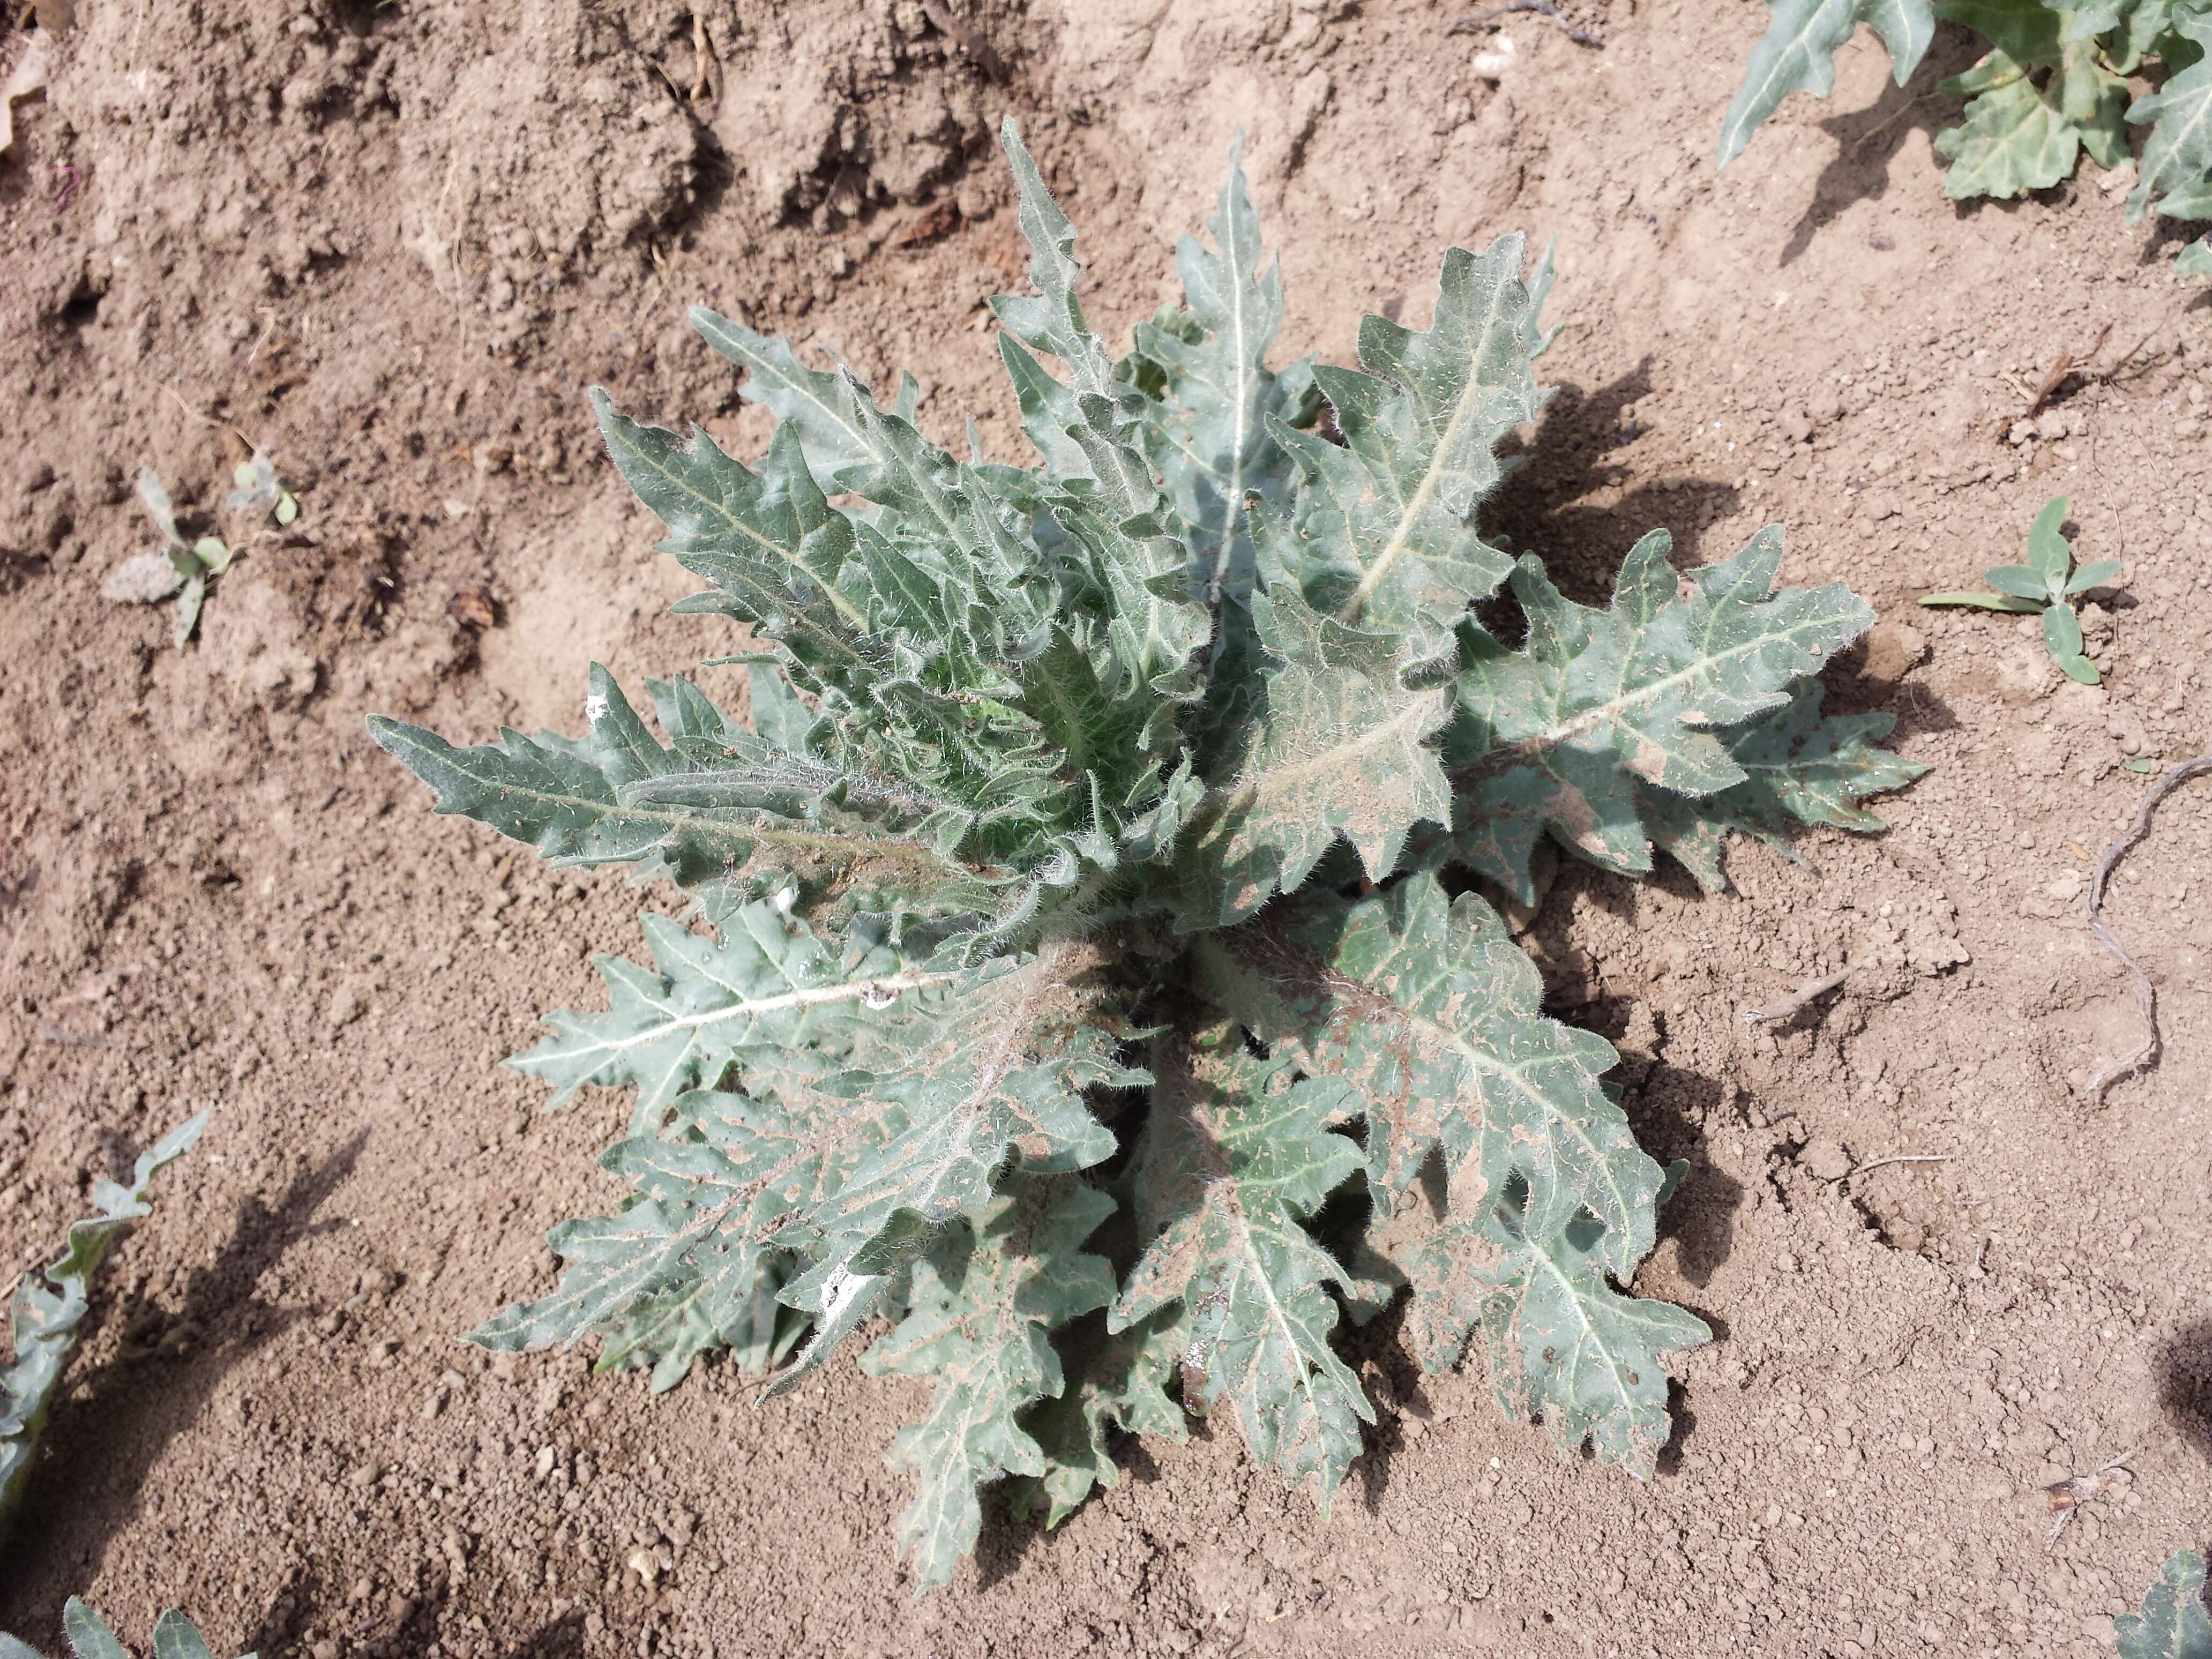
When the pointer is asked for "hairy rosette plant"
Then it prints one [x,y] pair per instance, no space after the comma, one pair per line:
[1079,984]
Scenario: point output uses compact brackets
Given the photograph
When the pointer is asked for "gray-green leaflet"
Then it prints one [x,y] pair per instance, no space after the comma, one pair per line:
[50,1304]
[175,1637]
[1084,919]
[2052,86]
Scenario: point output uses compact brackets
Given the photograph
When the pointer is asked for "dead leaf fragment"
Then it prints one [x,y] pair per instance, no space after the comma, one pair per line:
[472,607]
[938,218]
[978,49]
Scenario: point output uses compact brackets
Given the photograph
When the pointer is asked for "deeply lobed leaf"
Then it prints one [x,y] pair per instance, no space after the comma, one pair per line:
[1235,1156]
[1568,732]
[979,1319]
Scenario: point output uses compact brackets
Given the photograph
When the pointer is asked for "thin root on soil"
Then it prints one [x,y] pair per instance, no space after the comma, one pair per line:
[2146,995]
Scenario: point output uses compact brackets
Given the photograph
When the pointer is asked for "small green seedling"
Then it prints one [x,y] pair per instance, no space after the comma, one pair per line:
[180,567]
[89,1637]
[2049,583]
[258,491]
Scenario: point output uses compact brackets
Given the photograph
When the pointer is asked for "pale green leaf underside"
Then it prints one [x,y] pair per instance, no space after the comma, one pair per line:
[1797,54]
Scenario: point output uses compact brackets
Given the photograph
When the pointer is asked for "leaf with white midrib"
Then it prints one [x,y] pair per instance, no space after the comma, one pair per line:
[1562,1342]
[1564,732]
[980,1316]
[1381,531]
[1501,321]
[989,1068]
[1429,1011]
[804,399]
[691,1262]
[1235,1154]
[1210,438]
[764,982]
[1341,749]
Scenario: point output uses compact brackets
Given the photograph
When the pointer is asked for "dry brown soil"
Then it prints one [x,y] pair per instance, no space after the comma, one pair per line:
[394,241]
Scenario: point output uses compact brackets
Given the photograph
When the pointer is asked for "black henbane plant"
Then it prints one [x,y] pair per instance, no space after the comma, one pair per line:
[1081,988]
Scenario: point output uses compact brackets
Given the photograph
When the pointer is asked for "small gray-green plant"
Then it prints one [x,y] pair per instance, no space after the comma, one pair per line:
[185,570]
[49,1306]
[89,1637]
[2173,1623]
[259,492]
[2048,583]
[2052,86]
[1093,981]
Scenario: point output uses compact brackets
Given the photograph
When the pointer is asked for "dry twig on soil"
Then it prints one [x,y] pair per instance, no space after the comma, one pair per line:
[1798,1000]
[1901,1157]
[973,44]
[2146,993]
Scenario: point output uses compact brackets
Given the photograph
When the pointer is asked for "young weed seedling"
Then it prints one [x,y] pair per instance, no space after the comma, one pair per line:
[180,567]
[2048,583]
[187,570]
[260,492]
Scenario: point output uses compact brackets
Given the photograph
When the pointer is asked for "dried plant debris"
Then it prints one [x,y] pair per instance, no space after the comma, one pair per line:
[1095,817]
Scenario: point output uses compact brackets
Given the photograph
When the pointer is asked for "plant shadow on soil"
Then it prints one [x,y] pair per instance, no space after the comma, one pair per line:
[1571,459]
[1008,1537]
[2185,1384]
[110,1440]
[1869,139]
